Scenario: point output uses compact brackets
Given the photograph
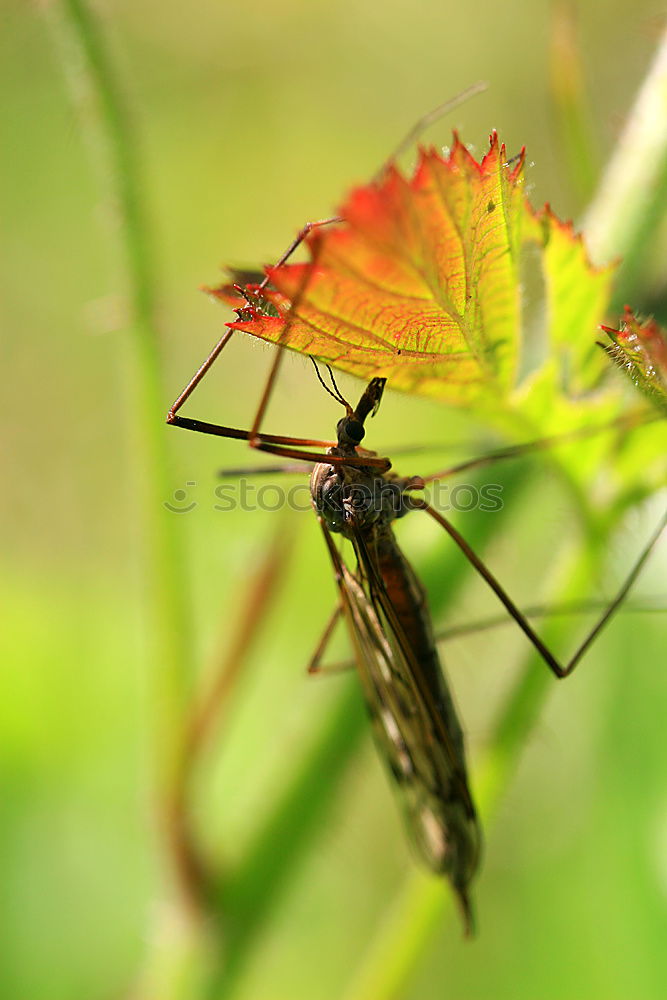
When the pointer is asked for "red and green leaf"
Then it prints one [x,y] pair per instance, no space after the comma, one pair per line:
[639,348]
[421,282]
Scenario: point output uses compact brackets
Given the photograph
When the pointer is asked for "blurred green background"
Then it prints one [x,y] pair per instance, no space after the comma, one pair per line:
[252,118]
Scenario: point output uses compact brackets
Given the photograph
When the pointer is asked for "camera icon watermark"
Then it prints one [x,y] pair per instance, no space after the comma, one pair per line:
[182,502]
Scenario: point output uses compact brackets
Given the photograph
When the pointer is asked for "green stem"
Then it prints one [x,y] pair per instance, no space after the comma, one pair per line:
[94,84]
[570,100]
[633,191]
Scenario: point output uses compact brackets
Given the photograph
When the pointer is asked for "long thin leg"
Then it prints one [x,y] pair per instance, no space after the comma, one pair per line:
[625,422]
[255,438]
[408,139]
[228,334]
[314,666]
[273,444]
[417,482]
[423,123]
[430,118]
[291,469]
[645,607]
[298,239]
[219,430]
[649,607]
[412,135]
[198,375]
[554,665]
[381,464]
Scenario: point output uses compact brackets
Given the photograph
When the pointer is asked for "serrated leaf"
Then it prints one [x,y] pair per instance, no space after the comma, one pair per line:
[420,283]
[576,296]
[639,348]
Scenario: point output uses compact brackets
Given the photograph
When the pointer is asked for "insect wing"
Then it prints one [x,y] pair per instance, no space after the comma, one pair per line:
[429,773]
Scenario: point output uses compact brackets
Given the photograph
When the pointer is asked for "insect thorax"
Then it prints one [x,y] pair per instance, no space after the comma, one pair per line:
[352,499]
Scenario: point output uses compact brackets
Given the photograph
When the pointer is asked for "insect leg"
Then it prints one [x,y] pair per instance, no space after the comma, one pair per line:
[430,118]
[554,665]
[227,335]
[626,422]
[381,464]
[298,239]
[408,139]
[295,468]
[274,444]
[219,430]
[649,607]
[198,375]
[567,609]
[283,339]
[314,665]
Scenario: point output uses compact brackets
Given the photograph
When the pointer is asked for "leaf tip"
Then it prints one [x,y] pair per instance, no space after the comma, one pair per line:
[639,348]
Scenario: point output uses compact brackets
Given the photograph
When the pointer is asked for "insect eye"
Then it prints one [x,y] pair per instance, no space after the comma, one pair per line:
[350,429]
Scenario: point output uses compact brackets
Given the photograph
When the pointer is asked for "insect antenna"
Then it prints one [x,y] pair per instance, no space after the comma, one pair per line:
[333,382]
[335,393]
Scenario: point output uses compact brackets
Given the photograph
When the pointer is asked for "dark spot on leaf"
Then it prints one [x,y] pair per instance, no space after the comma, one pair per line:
[490,207]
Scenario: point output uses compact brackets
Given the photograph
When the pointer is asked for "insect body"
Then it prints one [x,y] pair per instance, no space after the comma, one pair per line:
[414,720]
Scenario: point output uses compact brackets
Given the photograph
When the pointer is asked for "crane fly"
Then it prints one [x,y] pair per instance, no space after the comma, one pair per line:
[415,725]
[357,496]
[414,720]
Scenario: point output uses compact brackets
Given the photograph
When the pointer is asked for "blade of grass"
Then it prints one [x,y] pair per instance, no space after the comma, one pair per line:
[107,126]
[568,90]
[632,195]
[249,896]
[208,711]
